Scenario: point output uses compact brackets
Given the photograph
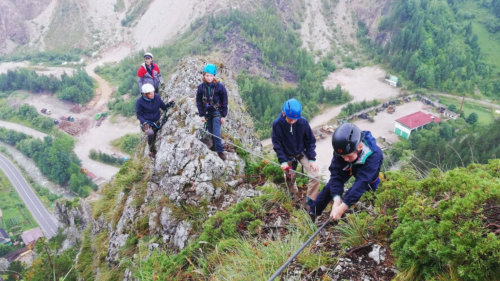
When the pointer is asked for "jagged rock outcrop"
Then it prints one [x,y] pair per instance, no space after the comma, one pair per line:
[185,174]
[73,217]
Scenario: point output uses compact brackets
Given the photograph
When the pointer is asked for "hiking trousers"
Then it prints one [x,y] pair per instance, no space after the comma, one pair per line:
[151,133]
[214,127]
[313,185]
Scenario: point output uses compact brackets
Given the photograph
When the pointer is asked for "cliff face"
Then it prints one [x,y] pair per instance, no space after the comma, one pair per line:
[13,17]
[72,217]
[186,177]
[370,12]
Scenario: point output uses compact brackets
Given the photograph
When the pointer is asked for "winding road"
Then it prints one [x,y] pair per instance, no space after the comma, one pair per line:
[36,208]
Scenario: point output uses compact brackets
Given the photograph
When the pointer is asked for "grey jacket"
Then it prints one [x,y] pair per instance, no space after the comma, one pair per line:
[145,78]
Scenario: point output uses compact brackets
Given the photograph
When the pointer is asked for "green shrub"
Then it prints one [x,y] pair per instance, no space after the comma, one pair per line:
[127,143]
[442,222]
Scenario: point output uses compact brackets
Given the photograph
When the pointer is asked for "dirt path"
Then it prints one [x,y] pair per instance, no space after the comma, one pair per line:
[486,103]
[22,129]
[98,138]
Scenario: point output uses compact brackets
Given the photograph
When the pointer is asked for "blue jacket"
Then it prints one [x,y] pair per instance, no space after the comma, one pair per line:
[292,140]
[365,169]
[219,99]
[149,110]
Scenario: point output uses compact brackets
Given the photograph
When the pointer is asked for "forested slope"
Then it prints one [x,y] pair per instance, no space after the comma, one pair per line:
[432,45]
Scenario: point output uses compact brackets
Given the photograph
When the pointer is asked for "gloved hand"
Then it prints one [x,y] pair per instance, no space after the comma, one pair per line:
[171,103]
[145,126]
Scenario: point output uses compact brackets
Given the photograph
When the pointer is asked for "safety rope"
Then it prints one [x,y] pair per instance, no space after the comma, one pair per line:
[249,151]
[285,265]
[278,272]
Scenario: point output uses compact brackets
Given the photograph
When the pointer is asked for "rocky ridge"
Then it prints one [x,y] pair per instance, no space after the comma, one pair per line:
[184,176]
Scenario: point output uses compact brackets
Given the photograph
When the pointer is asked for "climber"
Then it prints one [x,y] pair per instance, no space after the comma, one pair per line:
[211,100]
[148,112]
[294,141]
[149,73]
[355,154]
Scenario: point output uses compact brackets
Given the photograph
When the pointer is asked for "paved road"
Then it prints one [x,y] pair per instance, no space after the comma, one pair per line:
[34,205]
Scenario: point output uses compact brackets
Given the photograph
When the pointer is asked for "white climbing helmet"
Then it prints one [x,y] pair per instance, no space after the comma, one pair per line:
[147,88]
[148,54]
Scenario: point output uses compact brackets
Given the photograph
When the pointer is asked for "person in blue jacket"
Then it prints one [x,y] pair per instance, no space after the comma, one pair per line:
[356,154]
[211,100]
[294,141]
[147,109]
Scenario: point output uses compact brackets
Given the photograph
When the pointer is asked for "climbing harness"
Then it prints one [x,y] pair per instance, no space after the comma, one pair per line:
[159,124]
[288,170]
[251,152]
[210,100]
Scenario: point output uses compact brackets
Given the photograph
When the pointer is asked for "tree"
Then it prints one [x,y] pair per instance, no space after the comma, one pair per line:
[446,131]
[452,107]
[4,249]
[15,266]
[472,119]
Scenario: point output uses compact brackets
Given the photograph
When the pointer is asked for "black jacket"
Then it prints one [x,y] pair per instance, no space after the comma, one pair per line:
[149,109]
[292,140]
[218,91]
[365,169]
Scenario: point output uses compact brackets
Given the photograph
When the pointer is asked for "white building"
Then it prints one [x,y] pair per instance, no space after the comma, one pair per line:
[393,81]
[450,114]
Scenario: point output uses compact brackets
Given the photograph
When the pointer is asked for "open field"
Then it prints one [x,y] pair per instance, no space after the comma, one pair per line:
[484,114]
[488,42]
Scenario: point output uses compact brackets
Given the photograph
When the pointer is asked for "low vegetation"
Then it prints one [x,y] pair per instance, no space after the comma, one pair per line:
[105,158]
[55,58]
[78,88]
[448,210]
[127,143]
[26,115]
[443,147]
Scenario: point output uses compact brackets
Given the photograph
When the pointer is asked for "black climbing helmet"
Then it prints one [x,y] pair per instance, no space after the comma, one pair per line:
[346,138]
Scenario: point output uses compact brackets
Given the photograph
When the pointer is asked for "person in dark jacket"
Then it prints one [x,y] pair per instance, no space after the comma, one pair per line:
[294,141]
[211,100]
[356,154]
[149,73]
[148,112]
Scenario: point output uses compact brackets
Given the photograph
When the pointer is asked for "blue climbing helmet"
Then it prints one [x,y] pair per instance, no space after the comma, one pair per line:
[210,68]
[292,109]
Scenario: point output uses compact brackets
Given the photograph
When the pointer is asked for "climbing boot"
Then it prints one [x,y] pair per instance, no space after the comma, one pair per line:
[222,156]
[308,203]
[152,154]
[313,217]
